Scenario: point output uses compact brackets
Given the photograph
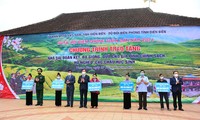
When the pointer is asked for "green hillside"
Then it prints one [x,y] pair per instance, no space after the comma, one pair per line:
[191,43]
[194,50]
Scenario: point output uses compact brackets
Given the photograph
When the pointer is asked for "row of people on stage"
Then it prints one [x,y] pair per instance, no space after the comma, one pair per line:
[142,82]
[83,87]
[69,81]
[39,80]
[176,88]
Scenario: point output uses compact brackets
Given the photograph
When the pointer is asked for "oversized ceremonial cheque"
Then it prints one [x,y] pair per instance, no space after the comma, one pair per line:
[126,86]
[162,87]
[27,85]
[57,84]
[94,86]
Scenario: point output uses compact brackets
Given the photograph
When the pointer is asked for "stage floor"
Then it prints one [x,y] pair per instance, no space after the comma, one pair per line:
[12,109]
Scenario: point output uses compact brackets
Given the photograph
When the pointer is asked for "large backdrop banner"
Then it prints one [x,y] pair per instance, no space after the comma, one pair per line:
[110,53]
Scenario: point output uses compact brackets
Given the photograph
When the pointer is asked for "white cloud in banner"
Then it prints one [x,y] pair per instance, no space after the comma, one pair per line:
[17,13]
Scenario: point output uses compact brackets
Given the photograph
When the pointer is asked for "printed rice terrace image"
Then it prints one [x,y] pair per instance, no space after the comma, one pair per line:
[183,56]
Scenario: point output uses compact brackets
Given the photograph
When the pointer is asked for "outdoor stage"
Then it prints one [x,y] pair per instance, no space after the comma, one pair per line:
[12,109]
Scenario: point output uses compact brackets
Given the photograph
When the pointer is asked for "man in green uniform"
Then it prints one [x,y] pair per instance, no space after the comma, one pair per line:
[39,80]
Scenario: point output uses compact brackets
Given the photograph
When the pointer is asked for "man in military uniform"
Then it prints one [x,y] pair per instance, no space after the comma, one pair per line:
[39,80]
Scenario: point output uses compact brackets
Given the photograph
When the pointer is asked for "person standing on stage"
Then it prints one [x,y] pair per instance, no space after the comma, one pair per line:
[127,94]
[176,83]
[39,80]
[163,94]
[70,80]
[142,82]
[83,87]
[94,94]
[58,100]
[29,93]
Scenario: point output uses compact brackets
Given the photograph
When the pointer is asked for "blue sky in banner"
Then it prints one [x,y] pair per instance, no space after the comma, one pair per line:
[17,13]
[172,35]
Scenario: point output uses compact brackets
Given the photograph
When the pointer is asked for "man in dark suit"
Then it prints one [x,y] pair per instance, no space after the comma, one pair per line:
[83,81]
[176,83]
[70,80]
[39,80]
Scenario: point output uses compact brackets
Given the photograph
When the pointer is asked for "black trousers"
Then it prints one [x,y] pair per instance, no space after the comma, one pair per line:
[175,95]
[29,98]
[58,99]
[164,95]
[39,94]
[142,99]
[70,96]
[83,93]
[94,99]
[127,100]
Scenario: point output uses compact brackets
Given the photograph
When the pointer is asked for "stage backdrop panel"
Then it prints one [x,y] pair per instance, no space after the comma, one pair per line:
[110,53]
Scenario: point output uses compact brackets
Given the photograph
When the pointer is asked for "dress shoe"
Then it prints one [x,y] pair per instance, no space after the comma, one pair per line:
[80,106]
[85,106]
[66,105]
[139,108]
[37,104]
[174,108]
[181,109]
[145,108]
